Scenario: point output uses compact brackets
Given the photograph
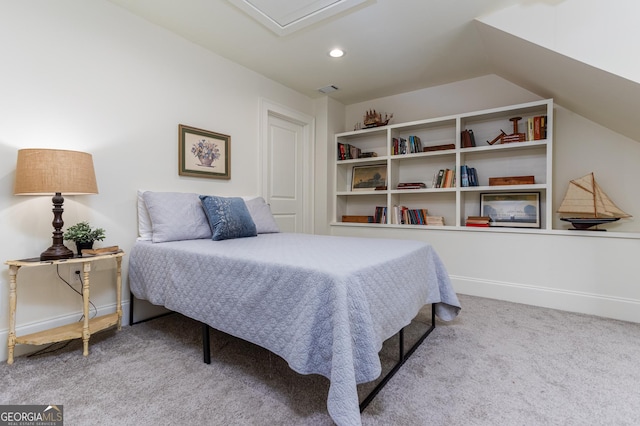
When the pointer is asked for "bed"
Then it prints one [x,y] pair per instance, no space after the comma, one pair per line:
[325,304]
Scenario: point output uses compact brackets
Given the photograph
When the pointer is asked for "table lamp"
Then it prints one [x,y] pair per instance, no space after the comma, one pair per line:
[55,171]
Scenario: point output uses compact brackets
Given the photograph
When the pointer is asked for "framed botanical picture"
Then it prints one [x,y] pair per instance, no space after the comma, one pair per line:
[512,209]
[369,178]
[202,153]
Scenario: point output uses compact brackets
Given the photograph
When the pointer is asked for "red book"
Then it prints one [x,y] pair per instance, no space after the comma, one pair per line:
[537,128]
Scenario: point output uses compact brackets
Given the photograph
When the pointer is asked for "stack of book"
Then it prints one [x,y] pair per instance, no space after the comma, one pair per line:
[467,139]
[537,128]
[468,176]
[351,152]
[357,219]
[411,185]
[380,215]
[444,178]
[348,152]
[480,221]
[435,220]
[442,147]
[403,146]
[406,216]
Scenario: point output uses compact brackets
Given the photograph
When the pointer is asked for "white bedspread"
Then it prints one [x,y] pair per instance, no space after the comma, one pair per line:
[325,304]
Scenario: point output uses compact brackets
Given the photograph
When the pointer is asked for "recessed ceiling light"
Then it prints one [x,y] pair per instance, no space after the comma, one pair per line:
[336,53]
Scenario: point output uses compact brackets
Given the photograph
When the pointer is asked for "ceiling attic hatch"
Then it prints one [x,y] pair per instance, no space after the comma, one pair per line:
[287,16]
[328,89]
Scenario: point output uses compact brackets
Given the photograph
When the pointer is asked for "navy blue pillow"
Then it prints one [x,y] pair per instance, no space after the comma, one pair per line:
[228,217]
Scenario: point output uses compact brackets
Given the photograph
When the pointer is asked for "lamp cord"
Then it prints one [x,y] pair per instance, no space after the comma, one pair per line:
[47,349]
[95,310]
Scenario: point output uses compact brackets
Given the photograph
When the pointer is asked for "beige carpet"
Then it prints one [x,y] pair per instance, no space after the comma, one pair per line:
[499,363]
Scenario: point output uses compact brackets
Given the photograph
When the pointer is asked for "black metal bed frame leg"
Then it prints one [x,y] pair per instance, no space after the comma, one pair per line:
[131,322]
[131,308]
[206,341]
[206,344]
[401,359]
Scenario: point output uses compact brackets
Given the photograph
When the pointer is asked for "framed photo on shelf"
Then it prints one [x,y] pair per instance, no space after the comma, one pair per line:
[511,209]
[202,153]
[369,178]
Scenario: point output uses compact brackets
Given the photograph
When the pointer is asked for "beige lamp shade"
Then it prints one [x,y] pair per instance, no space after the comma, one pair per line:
[50,171]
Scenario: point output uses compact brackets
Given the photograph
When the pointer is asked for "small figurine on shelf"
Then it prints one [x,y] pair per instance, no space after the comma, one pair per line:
[516,136]
[372,118]
[497,138]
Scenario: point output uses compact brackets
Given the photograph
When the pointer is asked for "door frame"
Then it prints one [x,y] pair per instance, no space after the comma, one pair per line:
[271,109]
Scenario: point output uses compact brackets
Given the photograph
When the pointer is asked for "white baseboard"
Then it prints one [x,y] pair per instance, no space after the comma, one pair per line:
[572,301]
[34,327]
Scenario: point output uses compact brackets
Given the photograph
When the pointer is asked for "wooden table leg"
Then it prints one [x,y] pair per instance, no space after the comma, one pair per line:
[11,340]
[119,290]
[86,268]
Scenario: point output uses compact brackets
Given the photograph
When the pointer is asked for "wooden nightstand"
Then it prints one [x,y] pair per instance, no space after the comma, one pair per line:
[71,331]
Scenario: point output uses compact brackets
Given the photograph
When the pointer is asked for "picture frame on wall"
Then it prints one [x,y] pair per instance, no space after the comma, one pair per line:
[202,153]
[369,178]
[511,209]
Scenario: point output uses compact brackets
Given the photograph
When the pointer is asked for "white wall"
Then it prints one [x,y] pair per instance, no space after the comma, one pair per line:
[89,76]
[330,115]
[561,269]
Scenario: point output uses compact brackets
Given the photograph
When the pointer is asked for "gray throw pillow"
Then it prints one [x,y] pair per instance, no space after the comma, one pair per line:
[261,214]
[176,216]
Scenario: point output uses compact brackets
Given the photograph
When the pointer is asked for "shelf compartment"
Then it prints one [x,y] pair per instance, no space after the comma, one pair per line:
[470,201]
[486,125]
[438,202]
[359,204]
[431,132]
[69,331]
[344,172]
[371,140]
[419,168]
[503,163]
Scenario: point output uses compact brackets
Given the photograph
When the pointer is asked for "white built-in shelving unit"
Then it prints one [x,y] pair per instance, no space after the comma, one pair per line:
[454,204]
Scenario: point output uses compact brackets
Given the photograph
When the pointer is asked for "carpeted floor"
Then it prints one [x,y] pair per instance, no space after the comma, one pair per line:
[498,363]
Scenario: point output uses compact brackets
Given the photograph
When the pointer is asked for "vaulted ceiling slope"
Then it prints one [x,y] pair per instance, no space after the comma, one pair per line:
[605,98]
[575,51]
[396,46]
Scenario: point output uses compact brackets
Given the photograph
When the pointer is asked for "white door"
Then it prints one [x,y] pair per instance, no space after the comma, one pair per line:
[287,170]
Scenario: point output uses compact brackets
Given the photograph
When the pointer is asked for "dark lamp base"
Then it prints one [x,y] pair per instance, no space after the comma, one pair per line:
[56,252]
[57,249]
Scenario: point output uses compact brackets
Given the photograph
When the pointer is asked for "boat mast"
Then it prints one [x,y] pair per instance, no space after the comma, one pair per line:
[593,192]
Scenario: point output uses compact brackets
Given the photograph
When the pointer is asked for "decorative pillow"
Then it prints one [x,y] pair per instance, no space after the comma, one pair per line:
[228,217]
[261,214]
[145,231]
[176,216]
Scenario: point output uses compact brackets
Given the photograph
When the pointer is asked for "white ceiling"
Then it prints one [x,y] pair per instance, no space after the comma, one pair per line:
[392,46]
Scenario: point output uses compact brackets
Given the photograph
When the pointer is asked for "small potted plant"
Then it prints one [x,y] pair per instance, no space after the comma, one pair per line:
[82,234]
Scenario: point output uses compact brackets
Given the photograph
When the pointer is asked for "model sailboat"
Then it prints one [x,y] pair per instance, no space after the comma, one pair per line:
[588,204]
